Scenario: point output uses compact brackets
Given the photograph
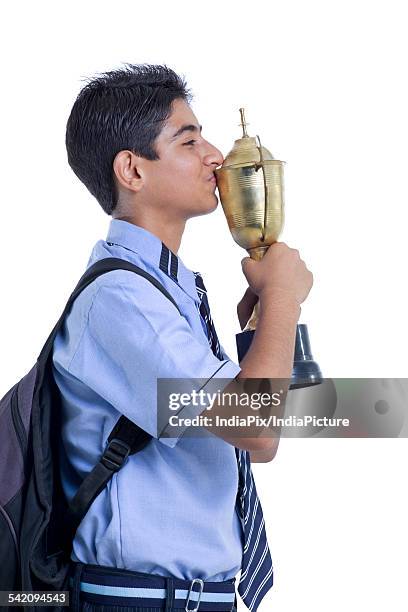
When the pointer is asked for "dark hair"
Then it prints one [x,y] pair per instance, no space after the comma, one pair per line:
[117,110]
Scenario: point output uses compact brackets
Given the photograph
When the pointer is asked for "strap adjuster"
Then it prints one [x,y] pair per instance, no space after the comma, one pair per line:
[115,454]
[201,583]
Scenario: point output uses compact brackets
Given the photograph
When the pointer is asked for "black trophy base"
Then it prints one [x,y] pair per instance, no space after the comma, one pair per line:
[306,372]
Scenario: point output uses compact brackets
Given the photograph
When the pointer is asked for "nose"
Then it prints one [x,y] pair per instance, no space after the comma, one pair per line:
[213,156]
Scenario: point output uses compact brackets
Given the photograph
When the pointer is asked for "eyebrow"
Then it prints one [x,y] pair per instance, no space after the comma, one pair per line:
[187,128]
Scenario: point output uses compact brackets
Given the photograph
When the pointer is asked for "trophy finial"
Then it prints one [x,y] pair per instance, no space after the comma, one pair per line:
[243,123]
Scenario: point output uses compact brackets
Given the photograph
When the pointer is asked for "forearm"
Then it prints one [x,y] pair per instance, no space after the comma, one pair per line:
[269,357]
[272,349]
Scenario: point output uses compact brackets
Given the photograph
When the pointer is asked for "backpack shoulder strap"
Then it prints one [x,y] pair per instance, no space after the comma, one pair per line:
[126,438]
[109,264]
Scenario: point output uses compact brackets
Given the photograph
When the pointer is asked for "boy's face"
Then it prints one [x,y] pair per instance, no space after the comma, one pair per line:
[182,180]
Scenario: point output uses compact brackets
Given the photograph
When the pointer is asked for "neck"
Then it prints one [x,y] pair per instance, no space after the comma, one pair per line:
[170,232]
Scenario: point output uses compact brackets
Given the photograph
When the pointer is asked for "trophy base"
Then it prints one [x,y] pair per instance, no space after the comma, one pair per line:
[305,373]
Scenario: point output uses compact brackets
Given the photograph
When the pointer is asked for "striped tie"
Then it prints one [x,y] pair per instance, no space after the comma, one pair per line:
[206,316]
[256,571]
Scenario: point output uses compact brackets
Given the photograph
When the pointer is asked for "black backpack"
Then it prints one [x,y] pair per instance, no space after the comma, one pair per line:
[37,525]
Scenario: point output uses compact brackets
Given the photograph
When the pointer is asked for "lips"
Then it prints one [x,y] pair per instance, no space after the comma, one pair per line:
[212,179]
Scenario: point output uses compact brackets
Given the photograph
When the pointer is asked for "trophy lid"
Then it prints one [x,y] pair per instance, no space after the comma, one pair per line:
[246,150]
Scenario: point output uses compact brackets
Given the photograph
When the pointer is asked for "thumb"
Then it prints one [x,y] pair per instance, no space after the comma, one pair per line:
[246,264]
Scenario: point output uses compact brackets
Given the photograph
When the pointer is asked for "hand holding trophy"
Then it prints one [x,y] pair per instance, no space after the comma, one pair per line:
[250,185]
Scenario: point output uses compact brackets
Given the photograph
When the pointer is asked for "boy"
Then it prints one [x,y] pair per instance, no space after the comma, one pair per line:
[166,533]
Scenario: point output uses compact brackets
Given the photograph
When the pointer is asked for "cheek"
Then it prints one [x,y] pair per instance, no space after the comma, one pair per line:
[176,175]
[187,165]
[189,169]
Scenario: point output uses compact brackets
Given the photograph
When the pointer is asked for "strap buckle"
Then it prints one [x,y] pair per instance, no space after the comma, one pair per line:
[201,583]
[115,454]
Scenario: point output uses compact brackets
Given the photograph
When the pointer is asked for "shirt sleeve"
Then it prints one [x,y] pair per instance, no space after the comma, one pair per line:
[133,336]
[224,353]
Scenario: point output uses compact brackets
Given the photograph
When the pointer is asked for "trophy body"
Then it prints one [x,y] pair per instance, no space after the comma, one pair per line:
[251,187]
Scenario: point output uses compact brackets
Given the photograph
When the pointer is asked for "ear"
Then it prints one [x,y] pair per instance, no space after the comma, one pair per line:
[128,169]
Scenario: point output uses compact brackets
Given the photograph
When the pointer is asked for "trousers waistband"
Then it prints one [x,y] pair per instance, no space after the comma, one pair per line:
[105,585]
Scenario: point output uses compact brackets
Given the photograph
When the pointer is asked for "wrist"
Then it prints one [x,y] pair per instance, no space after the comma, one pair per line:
[278,298]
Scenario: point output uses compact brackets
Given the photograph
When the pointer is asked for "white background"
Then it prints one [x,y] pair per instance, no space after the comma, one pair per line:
[324,85]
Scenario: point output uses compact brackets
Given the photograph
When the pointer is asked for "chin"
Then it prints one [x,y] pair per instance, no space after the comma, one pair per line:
[213,205]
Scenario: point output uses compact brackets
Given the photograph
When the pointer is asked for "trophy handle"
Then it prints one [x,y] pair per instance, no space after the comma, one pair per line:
[253,320]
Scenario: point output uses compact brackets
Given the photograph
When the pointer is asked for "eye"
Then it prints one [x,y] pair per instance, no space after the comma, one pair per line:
[190,142]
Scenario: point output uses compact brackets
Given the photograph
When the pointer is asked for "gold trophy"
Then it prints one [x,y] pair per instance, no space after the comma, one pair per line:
[250,184]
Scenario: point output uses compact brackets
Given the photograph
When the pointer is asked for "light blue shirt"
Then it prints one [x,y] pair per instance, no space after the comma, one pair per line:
[171,510]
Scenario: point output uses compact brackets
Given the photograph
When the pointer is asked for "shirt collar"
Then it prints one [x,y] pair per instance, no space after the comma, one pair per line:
[152,250]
